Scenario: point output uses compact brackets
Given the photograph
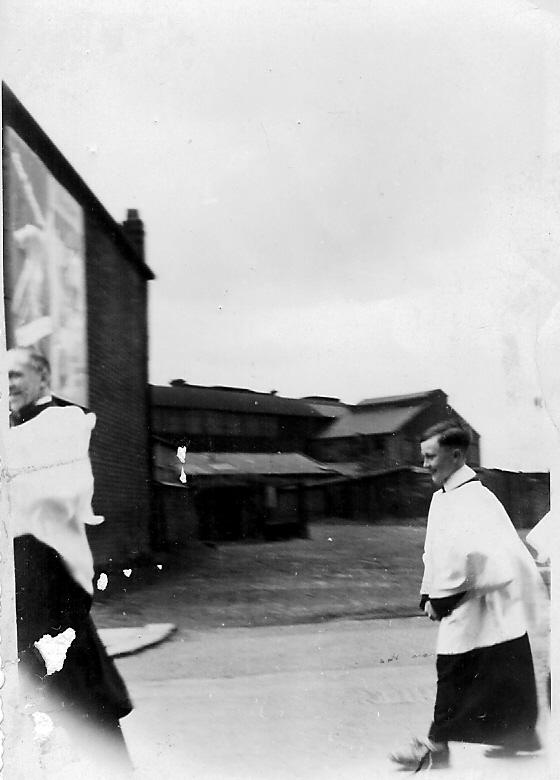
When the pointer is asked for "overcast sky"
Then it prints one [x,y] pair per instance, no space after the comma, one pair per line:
[341,198]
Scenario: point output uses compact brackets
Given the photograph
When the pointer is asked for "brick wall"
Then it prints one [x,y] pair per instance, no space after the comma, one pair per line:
[117,346]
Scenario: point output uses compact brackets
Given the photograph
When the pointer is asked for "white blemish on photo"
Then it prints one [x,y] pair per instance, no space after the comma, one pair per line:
[102,581]
[43,726]
[53,649]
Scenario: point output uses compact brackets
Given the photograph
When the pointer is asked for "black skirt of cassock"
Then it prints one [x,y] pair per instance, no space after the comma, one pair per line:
[488,696]
[48,601]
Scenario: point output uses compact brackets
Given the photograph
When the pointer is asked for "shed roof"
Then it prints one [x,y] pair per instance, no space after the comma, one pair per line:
[369,422]
[329,409]
[248,463]
[410,398]
[231,399]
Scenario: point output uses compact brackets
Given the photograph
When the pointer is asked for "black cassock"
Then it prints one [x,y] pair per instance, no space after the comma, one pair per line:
[87,696]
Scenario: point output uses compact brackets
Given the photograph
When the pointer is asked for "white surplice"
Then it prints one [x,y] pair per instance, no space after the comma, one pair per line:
[50,485]
[472,547]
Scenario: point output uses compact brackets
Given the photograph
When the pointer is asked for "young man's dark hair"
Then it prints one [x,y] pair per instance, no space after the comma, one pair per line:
[450,434]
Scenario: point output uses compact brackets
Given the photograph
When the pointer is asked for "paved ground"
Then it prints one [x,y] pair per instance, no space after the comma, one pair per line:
[269,675]
[298,702]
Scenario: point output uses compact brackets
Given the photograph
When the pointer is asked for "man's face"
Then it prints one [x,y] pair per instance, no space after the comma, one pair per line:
[26,384]
[441,461]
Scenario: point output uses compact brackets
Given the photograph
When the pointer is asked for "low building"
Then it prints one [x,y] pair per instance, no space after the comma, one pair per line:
[232,419]
[404,494]
[375,448]
[383,433]
[257,465]
[243,463]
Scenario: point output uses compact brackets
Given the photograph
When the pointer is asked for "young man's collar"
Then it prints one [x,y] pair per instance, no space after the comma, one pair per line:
[45,399]
[458,478]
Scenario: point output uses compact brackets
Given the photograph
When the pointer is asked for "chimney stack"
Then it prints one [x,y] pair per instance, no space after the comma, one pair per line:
[133,228]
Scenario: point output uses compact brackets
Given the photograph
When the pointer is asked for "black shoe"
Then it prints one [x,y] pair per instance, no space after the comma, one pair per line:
[421,755]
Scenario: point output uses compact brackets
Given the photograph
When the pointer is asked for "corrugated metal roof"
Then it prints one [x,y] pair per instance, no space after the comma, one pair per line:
[229,399]
[243,463]
[370,422]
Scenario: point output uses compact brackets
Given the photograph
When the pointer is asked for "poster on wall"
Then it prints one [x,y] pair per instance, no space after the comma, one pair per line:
[46,296]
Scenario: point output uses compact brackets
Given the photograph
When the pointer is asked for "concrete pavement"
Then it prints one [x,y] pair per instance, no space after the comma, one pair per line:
[323,701]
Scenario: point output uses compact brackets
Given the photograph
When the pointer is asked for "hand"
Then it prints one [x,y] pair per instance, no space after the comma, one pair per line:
[430,611]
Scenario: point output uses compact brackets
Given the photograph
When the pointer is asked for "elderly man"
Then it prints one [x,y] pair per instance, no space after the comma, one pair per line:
[481,584]
[51,486]
[29,385]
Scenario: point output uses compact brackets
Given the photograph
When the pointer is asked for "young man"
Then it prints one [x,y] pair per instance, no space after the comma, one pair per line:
[50,487]
[482,586]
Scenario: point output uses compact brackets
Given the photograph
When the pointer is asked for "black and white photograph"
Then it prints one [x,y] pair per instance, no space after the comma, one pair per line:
[280,389]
